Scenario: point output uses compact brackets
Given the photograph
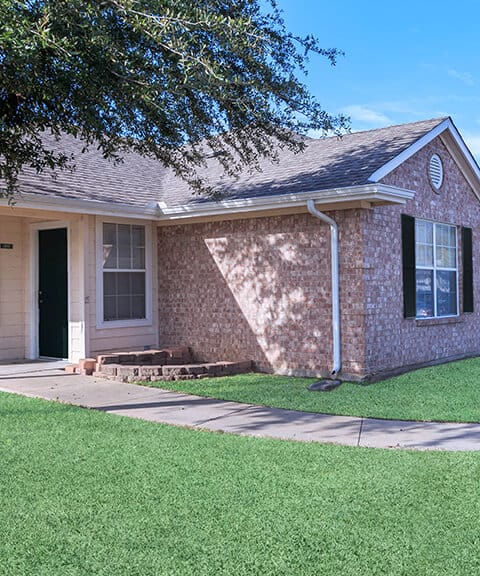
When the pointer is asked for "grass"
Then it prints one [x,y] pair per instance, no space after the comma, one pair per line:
[449,392]
[86,493]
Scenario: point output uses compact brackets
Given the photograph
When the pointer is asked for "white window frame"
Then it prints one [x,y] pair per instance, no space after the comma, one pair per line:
[434,268]
[101,322]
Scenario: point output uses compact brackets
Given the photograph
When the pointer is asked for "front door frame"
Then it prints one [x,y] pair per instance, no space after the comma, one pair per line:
[33,348]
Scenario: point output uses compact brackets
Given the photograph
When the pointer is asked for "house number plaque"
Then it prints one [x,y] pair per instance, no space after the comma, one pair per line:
[4,246]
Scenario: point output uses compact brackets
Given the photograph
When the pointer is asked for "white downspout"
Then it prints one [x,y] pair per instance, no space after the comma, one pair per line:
[337,359]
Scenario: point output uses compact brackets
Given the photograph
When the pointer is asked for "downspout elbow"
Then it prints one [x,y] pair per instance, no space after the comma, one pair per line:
[337,360]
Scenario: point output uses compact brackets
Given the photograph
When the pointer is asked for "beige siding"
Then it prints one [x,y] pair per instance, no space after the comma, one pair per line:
[17,297]
[12,289]
[127,338]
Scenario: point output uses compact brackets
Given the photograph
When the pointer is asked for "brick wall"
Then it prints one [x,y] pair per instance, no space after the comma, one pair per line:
[393,341]
[260,289]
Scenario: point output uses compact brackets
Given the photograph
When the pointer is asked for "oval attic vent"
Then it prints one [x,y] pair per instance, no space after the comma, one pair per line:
[435,170]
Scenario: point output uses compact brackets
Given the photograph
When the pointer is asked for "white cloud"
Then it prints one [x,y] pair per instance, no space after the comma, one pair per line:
[464,77]
[409,109]
[367,116]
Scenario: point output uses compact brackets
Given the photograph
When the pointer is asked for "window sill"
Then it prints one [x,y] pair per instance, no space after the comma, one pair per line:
[439,321]
[109,324]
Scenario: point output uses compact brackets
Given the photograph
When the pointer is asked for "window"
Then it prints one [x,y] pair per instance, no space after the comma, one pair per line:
[435,269]
[124,272]
[430,271]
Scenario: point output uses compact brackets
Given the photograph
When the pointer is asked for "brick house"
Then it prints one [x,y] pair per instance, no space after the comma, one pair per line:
[124,257]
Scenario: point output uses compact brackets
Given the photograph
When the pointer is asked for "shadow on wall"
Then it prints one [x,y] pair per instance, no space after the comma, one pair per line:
[252,289]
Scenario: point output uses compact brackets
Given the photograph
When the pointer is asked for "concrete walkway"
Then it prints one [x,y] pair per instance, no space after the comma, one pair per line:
[47,380]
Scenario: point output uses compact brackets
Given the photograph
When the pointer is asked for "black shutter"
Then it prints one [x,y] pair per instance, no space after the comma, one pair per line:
[467,267]
[408,264]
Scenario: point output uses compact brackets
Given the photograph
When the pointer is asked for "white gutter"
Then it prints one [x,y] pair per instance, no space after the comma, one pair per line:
[79,206]
[337,357]
[159,211]
[369,192]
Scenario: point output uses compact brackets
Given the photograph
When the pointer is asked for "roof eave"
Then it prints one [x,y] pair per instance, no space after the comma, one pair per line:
[34,201]
[374,193]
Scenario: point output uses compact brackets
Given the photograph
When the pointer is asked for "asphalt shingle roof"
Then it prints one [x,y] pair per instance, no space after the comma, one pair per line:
[326,163]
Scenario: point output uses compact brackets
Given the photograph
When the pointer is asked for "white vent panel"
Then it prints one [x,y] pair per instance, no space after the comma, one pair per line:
[435,171]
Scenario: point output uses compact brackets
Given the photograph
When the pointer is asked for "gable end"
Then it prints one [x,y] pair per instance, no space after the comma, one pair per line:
[451,138]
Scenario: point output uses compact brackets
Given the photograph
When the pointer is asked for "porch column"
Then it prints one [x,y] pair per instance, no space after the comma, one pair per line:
[78,331]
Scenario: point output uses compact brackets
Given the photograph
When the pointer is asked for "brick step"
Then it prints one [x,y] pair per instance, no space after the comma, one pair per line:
[175,355]
[150,373]
[174,363]
[86,367]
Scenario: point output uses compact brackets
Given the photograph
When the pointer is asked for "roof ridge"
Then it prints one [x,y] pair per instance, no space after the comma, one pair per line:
[439,120]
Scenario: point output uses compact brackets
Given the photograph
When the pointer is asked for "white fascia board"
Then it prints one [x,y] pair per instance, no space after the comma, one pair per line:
[410,151]
[447,124]
[465,150]
[78,206]
[474,177]
[369,192]
[158,211]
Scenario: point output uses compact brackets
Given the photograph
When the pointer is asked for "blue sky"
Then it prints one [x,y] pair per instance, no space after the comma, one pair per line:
[404,61]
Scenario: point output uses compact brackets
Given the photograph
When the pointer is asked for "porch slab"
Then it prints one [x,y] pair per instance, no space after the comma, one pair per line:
[25,368]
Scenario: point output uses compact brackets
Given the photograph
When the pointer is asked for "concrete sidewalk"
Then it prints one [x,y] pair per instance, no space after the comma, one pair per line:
[47,380]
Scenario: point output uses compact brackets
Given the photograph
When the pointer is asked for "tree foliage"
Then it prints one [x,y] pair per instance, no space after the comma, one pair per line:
[176,80]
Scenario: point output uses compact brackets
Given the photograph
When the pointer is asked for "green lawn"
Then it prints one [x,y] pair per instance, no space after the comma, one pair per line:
[87,493]
[449,392]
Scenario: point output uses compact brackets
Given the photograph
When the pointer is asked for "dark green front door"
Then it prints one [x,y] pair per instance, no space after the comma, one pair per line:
[52,293]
